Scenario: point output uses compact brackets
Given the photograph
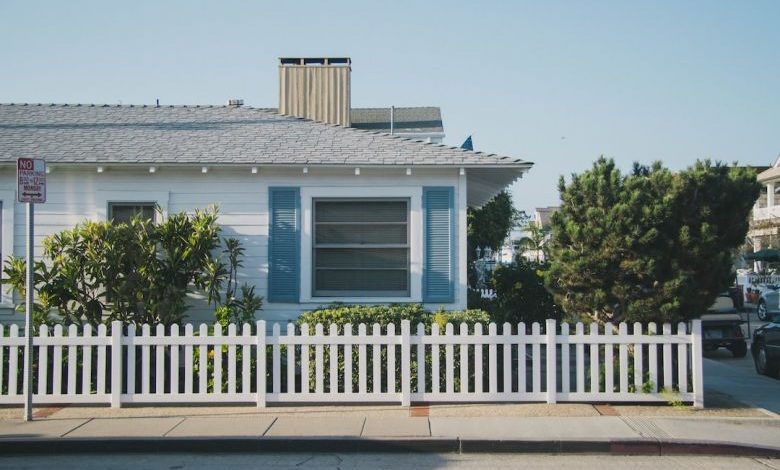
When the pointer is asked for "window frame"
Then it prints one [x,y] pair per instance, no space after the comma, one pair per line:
[362,294]
[111,204]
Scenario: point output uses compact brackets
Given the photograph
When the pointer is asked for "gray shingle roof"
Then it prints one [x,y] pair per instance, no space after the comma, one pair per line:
[405,120]
[129,134]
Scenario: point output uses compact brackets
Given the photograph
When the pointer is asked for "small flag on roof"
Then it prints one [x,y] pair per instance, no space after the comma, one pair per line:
[467,144]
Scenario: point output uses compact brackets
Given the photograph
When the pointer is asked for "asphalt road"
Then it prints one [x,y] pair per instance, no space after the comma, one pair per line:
[738,379]
[380,461]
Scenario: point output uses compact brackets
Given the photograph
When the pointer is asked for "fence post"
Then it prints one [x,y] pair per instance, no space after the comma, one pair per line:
[116,364]
[406,363]
[698,364]
[552,362]
[261,364]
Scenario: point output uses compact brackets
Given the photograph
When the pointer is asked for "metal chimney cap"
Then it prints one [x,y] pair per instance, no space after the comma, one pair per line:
[235,102]
[315,61]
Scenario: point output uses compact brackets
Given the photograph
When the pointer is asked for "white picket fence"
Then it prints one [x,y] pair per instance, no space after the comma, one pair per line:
[386,365]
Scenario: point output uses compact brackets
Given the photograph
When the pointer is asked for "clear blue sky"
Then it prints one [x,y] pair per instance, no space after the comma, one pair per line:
[557,83]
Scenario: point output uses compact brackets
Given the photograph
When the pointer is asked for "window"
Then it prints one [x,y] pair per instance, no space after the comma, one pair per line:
[123,212]
[361,248]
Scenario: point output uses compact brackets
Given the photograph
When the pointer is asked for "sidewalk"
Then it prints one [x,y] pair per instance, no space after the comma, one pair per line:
[645,430]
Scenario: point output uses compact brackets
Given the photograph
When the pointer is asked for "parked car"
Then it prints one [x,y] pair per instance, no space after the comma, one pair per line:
[766,347]
[768,302]
[722,327]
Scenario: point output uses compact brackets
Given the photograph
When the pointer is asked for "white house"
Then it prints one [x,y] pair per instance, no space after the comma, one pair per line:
[326,212]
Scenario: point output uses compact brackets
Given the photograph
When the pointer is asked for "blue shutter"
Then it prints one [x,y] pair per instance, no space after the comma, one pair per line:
[284,244]
[439,255]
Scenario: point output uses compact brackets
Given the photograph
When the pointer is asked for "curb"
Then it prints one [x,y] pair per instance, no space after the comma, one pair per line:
[348,444]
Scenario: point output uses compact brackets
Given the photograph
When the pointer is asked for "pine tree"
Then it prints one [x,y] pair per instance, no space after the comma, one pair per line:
[649,246]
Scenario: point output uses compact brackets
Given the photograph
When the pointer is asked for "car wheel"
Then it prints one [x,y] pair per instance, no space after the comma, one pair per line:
[738,349]
[763,365]
[761,310]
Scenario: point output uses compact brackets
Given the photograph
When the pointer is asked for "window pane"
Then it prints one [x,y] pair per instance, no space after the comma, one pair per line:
[379,267]
[362,234]
[360,282]
[394,258]
[124,213]
[361,211]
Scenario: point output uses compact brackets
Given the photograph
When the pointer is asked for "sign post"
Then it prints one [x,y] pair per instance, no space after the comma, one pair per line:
[31,188]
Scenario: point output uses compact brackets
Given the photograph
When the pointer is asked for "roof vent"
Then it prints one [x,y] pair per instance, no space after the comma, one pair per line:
[235,102]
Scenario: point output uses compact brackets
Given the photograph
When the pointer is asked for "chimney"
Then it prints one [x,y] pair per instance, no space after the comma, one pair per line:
[316,88]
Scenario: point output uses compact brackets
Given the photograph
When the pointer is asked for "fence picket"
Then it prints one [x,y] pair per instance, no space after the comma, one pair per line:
[478,346]
[231,388]
[565,378]
[435,366]
[217,360]
[261,378]
[276,360]
[13,362]
[246,359]
[188,332]
[174,364]
[145,361]
[667,331]
[101,365]
[348,369]
[305,369]
[594,359]
[507,352]
[479,378]
[376,363]
[609,359]
[639,375]
[464,359]
[522,357]
[130,359]
[391,359]
[159,360]
[73,331]
[682,360]
[623,357]
[333,349]
[291,360]
[56,366]
[43,359]
[421,362]
[362,379]
[580,334]
[86,369]
[536,356]
[319,375]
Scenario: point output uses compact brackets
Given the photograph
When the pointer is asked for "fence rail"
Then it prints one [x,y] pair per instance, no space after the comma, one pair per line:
[551,363]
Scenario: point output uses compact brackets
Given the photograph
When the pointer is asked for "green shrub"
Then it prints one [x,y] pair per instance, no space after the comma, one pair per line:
[136,272]
[354,315]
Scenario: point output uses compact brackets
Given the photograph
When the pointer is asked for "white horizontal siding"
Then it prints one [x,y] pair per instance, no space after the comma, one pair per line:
[78,194]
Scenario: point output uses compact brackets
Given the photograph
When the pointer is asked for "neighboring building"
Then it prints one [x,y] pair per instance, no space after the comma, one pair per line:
[326,213]
[514,244]
[764,229]
[423,123]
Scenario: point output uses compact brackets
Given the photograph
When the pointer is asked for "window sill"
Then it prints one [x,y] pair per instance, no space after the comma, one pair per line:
[360,300]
